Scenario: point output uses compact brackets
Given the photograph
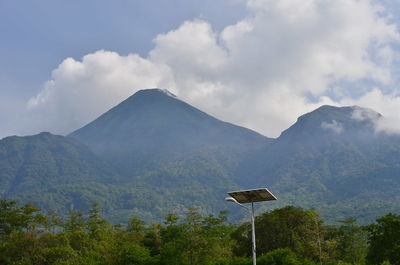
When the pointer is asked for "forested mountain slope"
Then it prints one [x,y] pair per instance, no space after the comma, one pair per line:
[50,170]
[334,160]
[150,155]
[153,154]
[153,127]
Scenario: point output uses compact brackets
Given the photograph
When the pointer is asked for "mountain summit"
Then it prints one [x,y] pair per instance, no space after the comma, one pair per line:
[153,126]
[329,159]
[332,121]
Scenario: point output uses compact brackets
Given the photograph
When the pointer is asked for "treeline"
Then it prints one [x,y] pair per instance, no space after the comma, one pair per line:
[287,236]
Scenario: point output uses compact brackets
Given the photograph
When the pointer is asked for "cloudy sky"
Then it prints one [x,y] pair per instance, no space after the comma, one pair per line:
[256,63]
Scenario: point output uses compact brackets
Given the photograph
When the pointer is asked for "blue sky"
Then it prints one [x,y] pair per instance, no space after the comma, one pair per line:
[257,63]
[37,35]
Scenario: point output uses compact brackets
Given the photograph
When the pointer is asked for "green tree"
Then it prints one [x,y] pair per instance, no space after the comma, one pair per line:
[17,218]
[152,239]
[218,237]
[279,257]
[289,227]
[133,254]
[351,241]
[384,240]
[173,242]
[96,224]
[75,221]
[136,225]
[54,221]
[198,240]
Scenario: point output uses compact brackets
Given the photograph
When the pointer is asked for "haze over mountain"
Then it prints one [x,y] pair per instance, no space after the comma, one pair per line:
[332,159]
[153,127]
[153,154]
[167,155]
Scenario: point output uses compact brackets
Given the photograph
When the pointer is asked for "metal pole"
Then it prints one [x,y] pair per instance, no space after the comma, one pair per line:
[253,234]
[246,196]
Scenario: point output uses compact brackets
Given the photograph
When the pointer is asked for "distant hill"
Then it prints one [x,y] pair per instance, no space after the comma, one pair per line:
[50,170]
[153,154]
[332,161]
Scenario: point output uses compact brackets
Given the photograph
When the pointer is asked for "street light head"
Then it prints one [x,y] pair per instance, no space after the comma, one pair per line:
[255,195]
[230,199]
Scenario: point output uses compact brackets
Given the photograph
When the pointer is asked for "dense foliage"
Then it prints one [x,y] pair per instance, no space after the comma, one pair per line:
[286,236]
[384,240]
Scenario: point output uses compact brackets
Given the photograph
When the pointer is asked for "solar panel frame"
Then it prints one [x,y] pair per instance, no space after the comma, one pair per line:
[254,195]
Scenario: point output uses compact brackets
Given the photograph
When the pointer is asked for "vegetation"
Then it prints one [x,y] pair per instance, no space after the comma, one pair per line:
[384,240]
[287,236]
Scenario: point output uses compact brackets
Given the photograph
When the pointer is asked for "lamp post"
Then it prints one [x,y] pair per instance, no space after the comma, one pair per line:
[251,196]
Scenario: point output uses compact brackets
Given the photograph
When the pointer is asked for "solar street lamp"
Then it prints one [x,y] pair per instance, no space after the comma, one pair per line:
[251,196]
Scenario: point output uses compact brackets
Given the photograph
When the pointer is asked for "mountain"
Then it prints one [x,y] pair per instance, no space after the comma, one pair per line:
[153,154]
[50,170]
[153,128]
[169,155]
[332,159]
[149,155]
[180,156]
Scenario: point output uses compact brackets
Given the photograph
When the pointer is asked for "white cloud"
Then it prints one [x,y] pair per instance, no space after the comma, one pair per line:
[333,126]
[79,91]
[259,72]
[363,114]
[386,104]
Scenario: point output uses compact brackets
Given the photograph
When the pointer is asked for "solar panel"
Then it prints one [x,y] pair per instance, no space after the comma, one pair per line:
[256,195]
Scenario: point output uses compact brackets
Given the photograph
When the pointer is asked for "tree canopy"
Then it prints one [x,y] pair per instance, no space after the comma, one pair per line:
[287,236]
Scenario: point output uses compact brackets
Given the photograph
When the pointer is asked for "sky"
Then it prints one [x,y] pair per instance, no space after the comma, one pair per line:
[255,63]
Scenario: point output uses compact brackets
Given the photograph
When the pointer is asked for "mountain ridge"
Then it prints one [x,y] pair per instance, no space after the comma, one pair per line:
[332,166]
[151,122]
[153,154]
